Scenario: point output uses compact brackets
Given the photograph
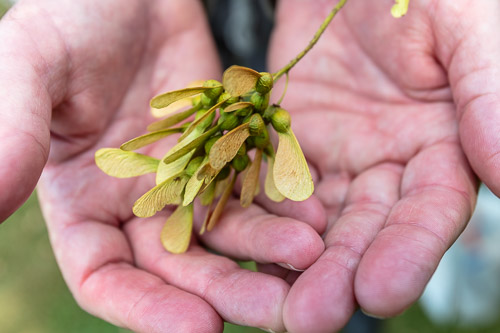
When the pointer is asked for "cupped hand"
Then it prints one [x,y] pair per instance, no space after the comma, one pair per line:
[389,112]
[78,76]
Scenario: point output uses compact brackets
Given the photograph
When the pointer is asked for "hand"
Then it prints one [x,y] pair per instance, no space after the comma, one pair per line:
[387,112]
[79,75]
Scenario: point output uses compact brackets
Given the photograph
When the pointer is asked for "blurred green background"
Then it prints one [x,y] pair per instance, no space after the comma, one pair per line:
[35,299]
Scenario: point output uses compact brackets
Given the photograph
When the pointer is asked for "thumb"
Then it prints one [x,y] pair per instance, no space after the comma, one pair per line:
[25,111]
[470,49]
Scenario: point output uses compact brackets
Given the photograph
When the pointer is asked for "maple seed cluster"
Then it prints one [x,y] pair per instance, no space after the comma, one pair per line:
[212,151]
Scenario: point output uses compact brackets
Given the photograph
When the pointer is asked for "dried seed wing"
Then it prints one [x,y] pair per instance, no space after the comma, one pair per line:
[172,108]
[194,185]
[176,233]
[147,139]
[154,200]
[197,122]
[207,172]
[193,144]
[269,186]
[226,148]
[238,106]
[221,185]
[124,164]
[291,173]
[206,219]
[164,100]
[251,180]
[172,120]
[166,171]
[208,194]
[238,80]
[219,208]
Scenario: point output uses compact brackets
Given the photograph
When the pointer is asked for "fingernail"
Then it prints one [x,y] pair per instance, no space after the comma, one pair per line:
[288,266]
[371,315]
[268,330]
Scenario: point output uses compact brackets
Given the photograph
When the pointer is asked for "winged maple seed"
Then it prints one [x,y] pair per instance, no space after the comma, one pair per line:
[219,123]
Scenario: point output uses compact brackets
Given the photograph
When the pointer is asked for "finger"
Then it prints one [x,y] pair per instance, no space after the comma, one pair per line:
[471,53]
[322,298]
[25,109]
[97,264]
[239,296]
[253,234]
[438,195]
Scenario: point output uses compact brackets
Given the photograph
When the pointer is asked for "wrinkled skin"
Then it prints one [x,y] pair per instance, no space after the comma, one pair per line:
[388,113]
[78,76]
[394,105]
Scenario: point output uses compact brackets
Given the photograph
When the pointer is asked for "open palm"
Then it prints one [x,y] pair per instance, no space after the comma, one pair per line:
[79,75]
[384,110]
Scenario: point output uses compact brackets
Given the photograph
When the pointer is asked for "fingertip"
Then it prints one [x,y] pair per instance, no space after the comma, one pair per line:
[319,300]
[390,278]
[288,242]
[310,211]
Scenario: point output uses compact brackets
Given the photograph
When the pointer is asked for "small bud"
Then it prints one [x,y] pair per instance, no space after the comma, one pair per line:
[256,125]
[264,83]
[281,120]
[223,174]
[210,142]
[193,165]
[214,93]
[206,101]
[259,101]
[225,96]
[243,150]
[240,162]
[262,141]
[228,121]
[270,110]
[244,112]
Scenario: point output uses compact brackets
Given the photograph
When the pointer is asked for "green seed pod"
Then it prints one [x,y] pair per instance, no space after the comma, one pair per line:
[193,165]
[223,174]
[214,93]
[256,125]
[281,120]
[250,142]
[210,142]
[225,96]
[259,101]
[228,121]
[270,110]
[240,162]
[262,140]
[206,101]
[244,112]
[243,150]
[264,83]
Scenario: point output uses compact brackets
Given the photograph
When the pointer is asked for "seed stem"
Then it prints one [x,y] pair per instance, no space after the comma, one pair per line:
[313,41]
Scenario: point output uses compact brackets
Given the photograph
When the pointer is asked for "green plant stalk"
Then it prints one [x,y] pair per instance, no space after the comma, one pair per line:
[313,41]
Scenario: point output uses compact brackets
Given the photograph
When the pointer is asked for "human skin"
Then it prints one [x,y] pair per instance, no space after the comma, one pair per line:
[77,76]
[389,112]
